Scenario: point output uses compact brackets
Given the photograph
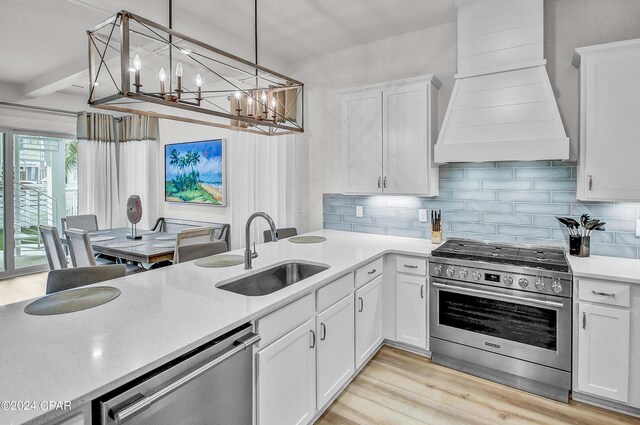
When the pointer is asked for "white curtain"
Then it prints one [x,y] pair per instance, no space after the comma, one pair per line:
[263,178]
[98,183]
[138,175]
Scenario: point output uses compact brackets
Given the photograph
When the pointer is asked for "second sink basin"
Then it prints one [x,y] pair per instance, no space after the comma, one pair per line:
[273,279]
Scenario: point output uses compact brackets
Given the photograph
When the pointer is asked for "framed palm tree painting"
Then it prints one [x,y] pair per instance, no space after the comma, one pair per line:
[195,172]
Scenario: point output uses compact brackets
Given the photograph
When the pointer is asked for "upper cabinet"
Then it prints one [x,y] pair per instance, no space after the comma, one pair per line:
[609,121]
[388,131]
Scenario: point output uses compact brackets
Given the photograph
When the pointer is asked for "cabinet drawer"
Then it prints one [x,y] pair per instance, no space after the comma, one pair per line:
[278,323]
[411,265]
[335,291]
[611,293]
[369,272]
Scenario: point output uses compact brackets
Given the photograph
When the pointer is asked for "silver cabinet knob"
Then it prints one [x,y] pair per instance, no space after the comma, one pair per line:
[507,280]
[556,287]
[476,275]
[450,271]
[540,284]
[523,282]
[437,269]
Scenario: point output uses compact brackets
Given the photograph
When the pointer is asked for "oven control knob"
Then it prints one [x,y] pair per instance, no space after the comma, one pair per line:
[507,280]
[556,287]
[540,284]
[464,273]
[450,271]
[437,269]
[476,275]
[523,282]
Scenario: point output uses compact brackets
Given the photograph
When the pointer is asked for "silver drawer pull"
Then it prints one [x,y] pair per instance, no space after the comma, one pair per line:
[409,266]
[372,271]
[604,294]
[123,415]
[361,304]
[313,339]
[421,291]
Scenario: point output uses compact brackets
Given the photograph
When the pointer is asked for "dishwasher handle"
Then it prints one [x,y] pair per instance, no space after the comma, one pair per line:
[123,415]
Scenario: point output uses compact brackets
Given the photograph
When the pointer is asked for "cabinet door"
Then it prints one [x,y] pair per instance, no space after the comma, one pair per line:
[368,319]
[406,145]
[611,126]
[411,310]
[362,141]
[603,351]
[286,375]
[335,330]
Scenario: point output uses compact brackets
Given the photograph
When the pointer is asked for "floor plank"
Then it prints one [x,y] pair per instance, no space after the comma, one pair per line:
[398,387]
[22,288]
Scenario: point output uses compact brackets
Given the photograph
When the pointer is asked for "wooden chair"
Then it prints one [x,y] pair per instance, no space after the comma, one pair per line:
[63,279]
[88,222]
[53,247]
[193,236]
[199,250]
[284,233]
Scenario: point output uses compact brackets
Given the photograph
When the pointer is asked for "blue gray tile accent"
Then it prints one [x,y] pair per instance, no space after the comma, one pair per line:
[512,202]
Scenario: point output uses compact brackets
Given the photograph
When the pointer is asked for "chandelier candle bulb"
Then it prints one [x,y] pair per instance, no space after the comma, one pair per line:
[162,76]
[137,66]
[249,105]
[274,104]
[238,98]
[179,74]
[264,104]
[199,86]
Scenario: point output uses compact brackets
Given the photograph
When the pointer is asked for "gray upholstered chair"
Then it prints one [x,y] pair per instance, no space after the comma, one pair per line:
[199,250]
[53,247]
[88,222]
[284,233]
[192,236]
[63,279]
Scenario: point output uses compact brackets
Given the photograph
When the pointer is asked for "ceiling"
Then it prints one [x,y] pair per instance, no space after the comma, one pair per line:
[43,43]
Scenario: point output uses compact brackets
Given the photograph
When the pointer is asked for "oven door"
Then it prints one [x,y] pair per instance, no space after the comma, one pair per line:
[523,325]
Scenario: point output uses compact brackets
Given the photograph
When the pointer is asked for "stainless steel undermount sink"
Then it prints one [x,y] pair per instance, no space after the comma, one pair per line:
[273,279]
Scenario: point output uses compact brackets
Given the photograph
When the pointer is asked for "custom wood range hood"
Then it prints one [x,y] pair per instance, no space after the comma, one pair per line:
[502,107]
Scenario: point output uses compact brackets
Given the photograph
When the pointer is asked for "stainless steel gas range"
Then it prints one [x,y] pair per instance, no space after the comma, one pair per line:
[503,312]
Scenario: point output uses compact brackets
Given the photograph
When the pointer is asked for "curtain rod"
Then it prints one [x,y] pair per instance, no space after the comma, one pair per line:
[40,108]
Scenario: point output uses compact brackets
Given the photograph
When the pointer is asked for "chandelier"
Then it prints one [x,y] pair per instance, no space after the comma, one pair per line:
[139,66]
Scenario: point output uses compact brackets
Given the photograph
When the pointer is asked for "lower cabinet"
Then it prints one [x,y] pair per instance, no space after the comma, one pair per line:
[286,389]
[603,351]
[411,310]
[368,319]
[335,348]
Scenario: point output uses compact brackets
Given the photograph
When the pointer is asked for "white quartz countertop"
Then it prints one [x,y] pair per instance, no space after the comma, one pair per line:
[609,268]
[160,315]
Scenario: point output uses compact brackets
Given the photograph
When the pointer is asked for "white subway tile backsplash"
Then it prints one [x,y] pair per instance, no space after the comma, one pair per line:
[512,202]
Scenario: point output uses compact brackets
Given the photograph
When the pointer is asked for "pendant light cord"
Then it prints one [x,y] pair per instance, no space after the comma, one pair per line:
[170,47]
[255,34]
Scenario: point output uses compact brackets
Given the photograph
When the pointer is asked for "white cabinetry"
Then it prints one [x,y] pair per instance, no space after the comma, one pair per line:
[609,124]
[411,310]
[388,131]
[368,319]
[335,329]
[79,416]
[286,393]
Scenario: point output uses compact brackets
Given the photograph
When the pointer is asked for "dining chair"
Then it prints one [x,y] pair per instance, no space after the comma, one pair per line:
[199,250]
[79,243]
[88,222]
[196,235]
[284,233]
[63,279]
[53,247]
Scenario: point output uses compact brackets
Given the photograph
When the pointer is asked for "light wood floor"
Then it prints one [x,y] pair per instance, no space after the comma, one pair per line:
[398,387]
[22,288]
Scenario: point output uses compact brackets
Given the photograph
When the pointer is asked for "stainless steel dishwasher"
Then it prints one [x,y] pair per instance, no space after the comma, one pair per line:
[210,385]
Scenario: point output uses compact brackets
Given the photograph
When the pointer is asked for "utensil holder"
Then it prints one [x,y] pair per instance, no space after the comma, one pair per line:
[580,246]
[436,236]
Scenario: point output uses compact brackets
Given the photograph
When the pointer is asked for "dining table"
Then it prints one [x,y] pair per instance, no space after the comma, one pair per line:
[153,247]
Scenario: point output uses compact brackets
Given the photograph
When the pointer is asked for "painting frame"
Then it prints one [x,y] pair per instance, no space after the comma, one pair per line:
[223,173]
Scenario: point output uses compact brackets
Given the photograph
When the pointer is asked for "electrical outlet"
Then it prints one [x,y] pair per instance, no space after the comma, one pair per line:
[638,228]
[359,211]
[422,215]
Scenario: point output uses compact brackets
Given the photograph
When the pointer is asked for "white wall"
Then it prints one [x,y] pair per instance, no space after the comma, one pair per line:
[568,24]
[177,132]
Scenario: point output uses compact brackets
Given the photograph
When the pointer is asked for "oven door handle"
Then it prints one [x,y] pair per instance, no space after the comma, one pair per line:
[123,415]
[504,296]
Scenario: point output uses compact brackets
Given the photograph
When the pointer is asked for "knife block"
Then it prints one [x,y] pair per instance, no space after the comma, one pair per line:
[436,236]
